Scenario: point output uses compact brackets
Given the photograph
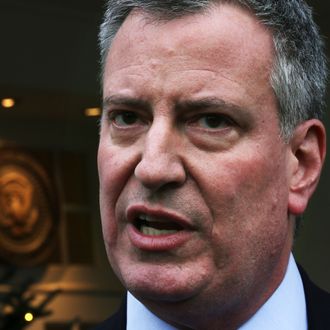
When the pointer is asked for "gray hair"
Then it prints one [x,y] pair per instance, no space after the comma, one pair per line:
[299,74]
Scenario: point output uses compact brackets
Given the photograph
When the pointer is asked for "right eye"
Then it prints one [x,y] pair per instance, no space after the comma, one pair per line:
[124,118]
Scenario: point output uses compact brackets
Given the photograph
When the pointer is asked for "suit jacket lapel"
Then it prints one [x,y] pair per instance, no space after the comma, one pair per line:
[317,303]
[116,321]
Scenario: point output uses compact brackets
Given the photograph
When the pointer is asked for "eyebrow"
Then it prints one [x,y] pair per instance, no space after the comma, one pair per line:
[126,101]
[208,103]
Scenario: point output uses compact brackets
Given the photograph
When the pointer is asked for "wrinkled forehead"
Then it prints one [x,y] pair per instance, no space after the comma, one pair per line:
[161,13]
[224,29]
[224,51]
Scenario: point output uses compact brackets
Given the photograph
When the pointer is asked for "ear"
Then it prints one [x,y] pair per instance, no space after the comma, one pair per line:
[307,153]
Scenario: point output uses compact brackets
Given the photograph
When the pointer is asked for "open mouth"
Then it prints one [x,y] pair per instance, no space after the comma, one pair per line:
[153,226]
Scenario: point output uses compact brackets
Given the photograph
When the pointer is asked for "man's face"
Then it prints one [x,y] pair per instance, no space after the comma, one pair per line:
[193,173]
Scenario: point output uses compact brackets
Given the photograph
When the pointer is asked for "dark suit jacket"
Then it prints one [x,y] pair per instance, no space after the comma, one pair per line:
[317,302]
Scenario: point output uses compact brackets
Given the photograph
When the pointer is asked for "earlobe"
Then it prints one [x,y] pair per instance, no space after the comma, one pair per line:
[308,148]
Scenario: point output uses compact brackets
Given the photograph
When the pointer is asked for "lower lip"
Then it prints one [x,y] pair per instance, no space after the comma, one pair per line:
[157,243]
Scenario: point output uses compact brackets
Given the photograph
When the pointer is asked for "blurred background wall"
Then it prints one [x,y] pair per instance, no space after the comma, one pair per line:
[49,66]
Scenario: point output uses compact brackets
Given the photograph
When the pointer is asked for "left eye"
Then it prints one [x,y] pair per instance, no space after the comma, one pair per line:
[213,121]
[125,118]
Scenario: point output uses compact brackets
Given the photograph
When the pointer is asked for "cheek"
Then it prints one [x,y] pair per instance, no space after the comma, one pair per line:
[115,166]
[108,190]
[248,192]
[250,221]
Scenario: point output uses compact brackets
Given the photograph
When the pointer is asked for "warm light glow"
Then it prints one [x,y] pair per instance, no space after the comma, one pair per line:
[28,317]
[92,112]
[8,103]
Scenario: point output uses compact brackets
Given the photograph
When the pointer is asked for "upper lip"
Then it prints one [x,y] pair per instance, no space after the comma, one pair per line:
[158,212]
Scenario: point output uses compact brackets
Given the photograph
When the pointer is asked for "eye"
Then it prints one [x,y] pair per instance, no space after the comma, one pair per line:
[124,118]
[213,121]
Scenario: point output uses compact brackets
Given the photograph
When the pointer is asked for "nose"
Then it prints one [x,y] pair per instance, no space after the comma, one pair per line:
[161,163]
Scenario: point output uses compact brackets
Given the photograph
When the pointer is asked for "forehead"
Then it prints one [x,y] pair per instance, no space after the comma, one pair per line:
[225,42]
[220,26]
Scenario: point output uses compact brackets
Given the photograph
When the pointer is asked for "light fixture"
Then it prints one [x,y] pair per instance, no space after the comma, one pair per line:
[7,102]
[92,112]
[28,317]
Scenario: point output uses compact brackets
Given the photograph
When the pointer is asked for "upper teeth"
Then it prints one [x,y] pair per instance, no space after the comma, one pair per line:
[149,230]
[148,218]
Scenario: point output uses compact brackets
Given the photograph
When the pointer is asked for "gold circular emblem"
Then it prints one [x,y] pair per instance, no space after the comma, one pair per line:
[27,225]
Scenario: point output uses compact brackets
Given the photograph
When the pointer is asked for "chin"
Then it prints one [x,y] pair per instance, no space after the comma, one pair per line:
[162,283]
